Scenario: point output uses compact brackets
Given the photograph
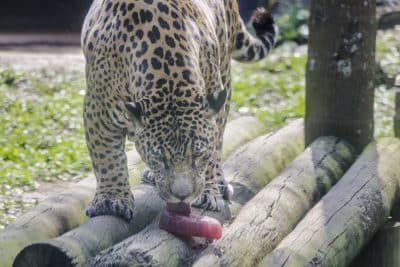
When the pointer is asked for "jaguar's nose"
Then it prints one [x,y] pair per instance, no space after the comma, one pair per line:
[181,189]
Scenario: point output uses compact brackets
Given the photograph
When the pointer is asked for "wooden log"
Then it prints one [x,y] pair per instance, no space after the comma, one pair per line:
[74,247]
[273,213]
[388,13]
[248,170]
[389,20]
[383,249]
[338,226]
[65,210]
[50,218]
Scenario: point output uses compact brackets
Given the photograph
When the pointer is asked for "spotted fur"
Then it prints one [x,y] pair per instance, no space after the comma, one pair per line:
[158,72]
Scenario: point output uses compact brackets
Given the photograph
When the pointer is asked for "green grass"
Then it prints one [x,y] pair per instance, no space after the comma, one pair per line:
[388,57]
[274,88]
[41,133]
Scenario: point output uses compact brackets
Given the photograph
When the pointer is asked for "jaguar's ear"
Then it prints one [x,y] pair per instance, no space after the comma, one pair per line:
[216,101]
[135,111]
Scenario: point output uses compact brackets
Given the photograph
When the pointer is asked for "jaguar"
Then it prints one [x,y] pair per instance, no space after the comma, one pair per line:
[158,73]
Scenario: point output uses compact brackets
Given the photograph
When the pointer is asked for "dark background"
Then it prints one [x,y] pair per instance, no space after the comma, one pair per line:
[61,15]
[42,15]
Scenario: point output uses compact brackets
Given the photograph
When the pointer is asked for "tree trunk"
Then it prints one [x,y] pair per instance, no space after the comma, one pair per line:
[383,249]
[340,71]
[396,118]
[274,212]
[247,170]
[65,210]
[336,229]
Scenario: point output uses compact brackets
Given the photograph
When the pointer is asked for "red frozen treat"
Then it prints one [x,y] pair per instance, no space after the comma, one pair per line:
[190,225]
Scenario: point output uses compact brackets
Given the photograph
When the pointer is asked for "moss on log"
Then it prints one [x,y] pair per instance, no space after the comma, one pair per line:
[248,169]
[255,164]
[336,229]
[273,213]
[383,249]
[240,131]
[65,210]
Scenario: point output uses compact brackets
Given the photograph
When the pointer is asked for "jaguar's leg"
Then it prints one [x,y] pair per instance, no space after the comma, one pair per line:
[106,145]
[216,188]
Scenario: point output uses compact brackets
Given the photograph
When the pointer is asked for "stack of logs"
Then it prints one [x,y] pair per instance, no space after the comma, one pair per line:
[291,207]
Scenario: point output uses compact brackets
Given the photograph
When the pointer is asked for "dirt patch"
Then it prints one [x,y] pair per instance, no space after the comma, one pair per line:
[37,52]
[39,58]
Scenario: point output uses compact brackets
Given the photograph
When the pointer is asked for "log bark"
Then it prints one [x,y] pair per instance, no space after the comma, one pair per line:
[273,213]
[248,170]
[75,245]
[383,249]
[336,229]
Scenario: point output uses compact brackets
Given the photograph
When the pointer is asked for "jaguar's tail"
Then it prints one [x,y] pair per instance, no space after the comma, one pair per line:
[250,48]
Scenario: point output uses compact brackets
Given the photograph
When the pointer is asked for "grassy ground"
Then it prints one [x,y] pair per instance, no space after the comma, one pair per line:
[41,134]
[272,89]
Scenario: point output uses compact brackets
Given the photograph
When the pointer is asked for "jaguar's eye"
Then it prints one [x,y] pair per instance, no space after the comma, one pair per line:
[159,159]
[161,164]
[196,162]
[198,158]
[207,156]
[164,162]
[197,154]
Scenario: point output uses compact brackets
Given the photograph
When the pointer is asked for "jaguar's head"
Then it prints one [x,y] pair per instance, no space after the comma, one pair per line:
[177,141]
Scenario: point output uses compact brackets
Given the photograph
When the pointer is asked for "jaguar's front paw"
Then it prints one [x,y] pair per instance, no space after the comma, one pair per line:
[226,190]
[210,202]
[117,205]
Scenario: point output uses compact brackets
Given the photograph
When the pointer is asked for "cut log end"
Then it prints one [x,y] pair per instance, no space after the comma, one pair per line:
[49,256]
